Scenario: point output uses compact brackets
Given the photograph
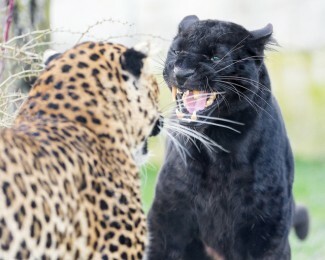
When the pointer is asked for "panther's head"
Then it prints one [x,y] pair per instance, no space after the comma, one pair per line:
[213,68]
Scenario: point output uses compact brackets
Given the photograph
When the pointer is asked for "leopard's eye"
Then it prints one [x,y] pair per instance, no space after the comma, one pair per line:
[176,52]
[215,58]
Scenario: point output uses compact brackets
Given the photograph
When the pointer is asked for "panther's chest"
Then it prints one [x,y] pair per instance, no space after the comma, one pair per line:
[227,194]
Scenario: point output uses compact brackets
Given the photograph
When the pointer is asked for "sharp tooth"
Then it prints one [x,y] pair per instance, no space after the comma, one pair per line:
[174,91]
[211,98]
[187,120]
[194,116]
[209,103]
[184,97]
[179,114]
[196,94]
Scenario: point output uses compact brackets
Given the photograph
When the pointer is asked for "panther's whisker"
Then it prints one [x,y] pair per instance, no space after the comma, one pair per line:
[234,48]
[241,86]
[180,148]
[209,143]
[229,86]
[251,81]
[237,61]
[250,101]
[186,133]
[213,67]
[220,119]
[172,110]
[215,124]
[189,137]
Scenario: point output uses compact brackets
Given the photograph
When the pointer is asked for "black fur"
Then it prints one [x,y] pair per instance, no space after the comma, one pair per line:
[158,125]
[154,132]
[52,57]
[301,222]
[237,203]
[132,61]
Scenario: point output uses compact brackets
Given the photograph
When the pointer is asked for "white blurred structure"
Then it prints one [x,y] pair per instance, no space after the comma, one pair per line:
[298,24]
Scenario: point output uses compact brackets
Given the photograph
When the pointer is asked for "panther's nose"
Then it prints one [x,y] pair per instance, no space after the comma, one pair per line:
[182,75]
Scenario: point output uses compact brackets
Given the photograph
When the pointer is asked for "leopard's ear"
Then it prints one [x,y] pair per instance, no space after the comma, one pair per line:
[262,36]
[187,22]
[133,61]
[50,55]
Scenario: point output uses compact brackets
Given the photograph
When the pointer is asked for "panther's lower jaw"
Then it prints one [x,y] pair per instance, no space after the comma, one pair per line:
[194,106]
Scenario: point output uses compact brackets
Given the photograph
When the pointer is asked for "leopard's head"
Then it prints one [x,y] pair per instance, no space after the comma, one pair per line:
[102,86]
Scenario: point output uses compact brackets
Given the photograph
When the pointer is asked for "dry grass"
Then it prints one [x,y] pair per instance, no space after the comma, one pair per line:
[21,58]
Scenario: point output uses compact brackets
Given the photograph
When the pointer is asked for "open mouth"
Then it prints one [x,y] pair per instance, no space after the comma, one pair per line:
[193,103]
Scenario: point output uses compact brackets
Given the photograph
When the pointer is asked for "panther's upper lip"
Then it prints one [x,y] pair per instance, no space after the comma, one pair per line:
[191,103]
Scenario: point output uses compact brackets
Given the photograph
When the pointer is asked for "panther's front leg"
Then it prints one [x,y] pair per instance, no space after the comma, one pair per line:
[170,230]
[173,229]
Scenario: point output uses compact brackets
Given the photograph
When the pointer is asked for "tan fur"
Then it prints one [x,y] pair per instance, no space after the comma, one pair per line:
[69,185]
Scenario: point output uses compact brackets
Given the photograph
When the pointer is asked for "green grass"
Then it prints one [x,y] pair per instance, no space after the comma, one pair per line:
[149,178]
[309,190]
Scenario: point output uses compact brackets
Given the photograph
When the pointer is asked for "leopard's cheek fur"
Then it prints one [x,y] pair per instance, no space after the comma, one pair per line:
[148,113]
[142,105]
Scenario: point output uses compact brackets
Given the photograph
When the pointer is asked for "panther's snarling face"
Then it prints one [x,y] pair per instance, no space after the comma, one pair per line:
[212,68]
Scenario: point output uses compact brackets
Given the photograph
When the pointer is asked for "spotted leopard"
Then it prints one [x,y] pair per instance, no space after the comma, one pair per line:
[69,183]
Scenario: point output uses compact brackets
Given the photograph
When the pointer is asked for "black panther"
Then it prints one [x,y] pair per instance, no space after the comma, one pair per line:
[235,202]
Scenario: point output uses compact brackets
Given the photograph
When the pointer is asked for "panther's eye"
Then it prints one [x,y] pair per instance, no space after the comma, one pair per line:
[215,58]
[176,52]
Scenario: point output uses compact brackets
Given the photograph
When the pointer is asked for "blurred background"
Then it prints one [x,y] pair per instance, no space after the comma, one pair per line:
[297,69]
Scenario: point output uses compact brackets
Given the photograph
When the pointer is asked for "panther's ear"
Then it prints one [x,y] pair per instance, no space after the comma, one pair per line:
[132,61]
[187,22]
[262,36]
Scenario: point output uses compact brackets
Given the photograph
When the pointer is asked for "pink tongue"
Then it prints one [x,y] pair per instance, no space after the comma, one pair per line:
[192,104]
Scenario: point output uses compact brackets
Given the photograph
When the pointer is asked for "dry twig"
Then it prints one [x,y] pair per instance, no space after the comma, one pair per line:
[23,50]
